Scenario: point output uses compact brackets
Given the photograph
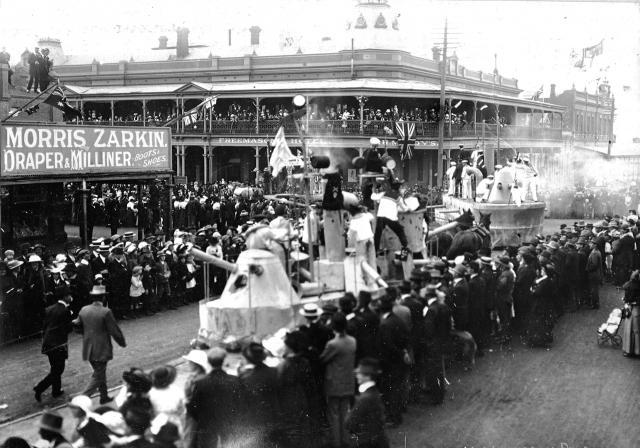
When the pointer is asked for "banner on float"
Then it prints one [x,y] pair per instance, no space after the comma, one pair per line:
[32,150]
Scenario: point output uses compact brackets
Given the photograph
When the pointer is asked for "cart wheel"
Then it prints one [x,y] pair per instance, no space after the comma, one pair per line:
[617,340]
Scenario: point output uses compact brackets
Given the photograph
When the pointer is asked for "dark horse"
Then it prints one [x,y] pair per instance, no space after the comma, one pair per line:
[472,240]
[463,238]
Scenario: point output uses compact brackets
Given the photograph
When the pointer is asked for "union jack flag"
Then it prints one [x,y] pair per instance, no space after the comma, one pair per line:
[406,138]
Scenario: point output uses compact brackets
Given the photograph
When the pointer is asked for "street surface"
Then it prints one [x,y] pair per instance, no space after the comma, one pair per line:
[151,341]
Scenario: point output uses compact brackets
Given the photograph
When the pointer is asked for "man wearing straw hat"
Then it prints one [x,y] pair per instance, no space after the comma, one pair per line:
[98,327]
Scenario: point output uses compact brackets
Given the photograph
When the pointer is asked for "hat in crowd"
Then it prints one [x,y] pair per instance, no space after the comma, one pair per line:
[162,377]
[137,269]
[504,260]
[128,234]
[103,248]
[453,163]
[118,249]
[56,270]
[15,442]
[81,402]
[82,253]
[586,233]
[138,381]
[131,249]
[216,356]
[295,340]
[98,290]
[486,260]
[580,224]
[459,270]
[435,274]
[553,245]
[309,310]
[115,238]
[613,225]
[497,167]
[51,421]
[9,253]
[34,259]
[329,308]
[255,353]
[418,275]
[98,277]
[280,210]
[369,367]
[199,357]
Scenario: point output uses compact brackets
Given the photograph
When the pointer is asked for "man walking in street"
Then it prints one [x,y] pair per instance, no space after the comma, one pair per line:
[339,357]
[56,329]
[98,326]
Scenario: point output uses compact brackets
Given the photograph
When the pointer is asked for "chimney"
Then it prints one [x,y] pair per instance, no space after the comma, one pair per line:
[435,51]
[182,43]
[255,35]
[162,42]
[552,94]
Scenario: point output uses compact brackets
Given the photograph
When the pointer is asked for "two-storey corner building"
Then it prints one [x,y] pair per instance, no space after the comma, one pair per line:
[354,92]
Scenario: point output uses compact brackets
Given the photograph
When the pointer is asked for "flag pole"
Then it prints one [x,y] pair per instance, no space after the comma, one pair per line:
[20,109]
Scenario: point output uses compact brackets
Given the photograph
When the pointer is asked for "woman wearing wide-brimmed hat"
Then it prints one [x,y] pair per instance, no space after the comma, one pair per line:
[166,396]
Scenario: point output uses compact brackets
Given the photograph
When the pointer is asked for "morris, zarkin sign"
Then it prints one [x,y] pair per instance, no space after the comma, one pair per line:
[28,150]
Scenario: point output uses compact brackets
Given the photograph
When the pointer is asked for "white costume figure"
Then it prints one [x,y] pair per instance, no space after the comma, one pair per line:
[529,180]
[613,322]
[467,192]
[483,189]
[452,182]
[360,235]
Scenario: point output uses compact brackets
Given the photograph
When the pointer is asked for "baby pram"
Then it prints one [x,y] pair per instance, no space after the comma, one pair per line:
[608,331]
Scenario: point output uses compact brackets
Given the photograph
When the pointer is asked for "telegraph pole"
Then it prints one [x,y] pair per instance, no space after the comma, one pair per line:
[443,76]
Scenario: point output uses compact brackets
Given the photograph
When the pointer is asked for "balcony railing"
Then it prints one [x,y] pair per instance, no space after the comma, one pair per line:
[338,128]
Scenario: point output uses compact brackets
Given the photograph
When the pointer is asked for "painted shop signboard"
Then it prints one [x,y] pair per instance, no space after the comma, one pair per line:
[31,150]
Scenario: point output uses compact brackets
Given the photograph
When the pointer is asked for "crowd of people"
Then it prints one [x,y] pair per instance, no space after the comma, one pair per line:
[338,112]
[591,202]
[398,342]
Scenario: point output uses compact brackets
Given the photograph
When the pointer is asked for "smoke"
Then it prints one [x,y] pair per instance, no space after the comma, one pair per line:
[340,157]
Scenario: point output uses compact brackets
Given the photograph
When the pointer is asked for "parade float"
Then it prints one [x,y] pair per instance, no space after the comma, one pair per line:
[273,278]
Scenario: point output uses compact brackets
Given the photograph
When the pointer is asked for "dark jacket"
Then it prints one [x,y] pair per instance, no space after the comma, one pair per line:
[366,420]
[393,340]
[56,329]
[594,265]
[98,326]
[260,396]
[460,299]
[214,405]
[437,323]
[368,337]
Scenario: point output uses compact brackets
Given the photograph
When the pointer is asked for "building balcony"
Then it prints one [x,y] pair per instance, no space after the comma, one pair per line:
[355,128]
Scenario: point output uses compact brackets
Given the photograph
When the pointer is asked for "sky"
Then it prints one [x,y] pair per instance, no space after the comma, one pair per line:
[533,40]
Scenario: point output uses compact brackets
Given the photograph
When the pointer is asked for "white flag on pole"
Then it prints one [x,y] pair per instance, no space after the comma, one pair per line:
[281,153]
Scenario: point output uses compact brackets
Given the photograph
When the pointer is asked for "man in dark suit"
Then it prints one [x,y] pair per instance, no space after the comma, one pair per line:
[366,419]
[34,66]
[57,326]
[338,359]
[119,282]
[460,298]
[84,280]
[98,327]
[215,402]
[368,337]
[393,342]
[478,310]
[437,323]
